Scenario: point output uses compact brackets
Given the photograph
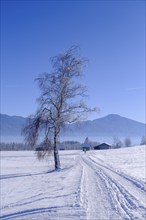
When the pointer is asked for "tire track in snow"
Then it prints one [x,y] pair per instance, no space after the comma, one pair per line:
[138,190]
[82,193]
[139,184]
[94,196]
[50,213]
[124,202]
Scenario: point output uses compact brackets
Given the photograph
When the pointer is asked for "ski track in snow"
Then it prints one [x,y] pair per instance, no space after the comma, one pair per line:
[86,188]
[127,200]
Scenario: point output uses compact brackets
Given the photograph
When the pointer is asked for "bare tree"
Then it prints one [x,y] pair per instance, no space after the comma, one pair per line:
[127,142]
[60,102]
[117,143]
[143,140]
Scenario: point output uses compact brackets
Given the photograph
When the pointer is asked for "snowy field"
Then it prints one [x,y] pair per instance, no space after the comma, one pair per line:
[98,185]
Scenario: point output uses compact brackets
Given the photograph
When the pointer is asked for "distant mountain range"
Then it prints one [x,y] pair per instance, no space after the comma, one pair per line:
[99,129]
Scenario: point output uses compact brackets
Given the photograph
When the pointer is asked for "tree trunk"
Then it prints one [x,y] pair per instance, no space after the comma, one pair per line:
[56,154]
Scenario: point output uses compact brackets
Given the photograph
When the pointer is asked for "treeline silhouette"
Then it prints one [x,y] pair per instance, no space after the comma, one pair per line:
[65,145]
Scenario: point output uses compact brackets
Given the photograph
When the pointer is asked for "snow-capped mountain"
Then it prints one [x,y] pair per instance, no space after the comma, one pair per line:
[105,127]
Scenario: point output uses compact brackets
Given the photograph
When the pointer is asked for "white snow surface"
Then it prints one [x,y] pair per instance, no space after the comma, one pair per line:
[96,185]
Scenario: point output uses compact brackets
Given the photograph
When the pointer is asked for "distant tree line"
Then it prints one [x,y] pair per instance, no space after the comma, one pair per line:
[117,143]
[68,145]
[65,145]
[143,140]
[14,147]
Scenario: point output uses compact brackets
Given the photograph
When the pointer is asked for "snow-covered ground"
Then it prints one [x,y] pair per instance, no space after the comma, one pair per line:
[98,185]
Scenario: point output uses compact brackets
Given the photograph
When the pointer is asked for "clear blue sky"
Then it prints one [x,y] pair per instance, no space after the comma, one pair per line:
[111,35]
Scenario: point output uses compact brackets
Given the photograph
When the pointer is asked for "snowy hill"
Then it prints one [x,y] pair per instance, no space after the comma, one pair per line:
[97,185]
[106,128]
[11,125]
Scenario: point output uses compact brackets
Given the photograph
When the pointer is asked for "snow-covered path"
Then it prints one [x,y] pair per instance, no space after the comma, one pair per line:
[115,196]
[86,188]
